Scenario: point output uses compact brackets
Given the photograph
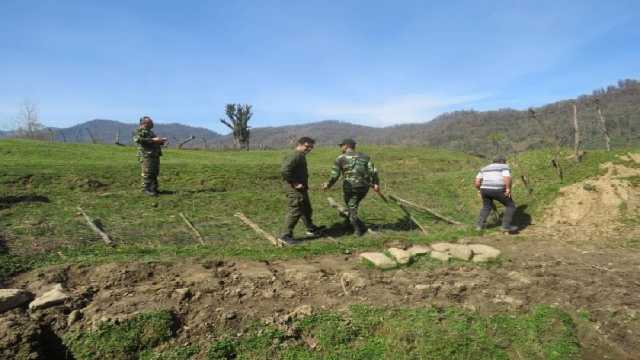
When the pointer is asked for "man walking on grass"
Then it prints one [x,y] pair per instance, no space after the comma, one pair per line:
[296,187]
[358,173]
[494,183]
[149,152]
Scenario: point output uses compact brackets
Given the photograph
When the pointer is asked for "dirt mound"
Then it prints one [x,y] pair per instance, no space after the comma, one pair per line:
[597,202]
[216,294]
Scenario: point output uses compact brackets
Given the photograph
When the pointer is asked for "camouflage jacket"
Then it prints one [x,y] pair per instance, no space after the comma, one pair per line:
[294,169]
[356,168]
[146,148]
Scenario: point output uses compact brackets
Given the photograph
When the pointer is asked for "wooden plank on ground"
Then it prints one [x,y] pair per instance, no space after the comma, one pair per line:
[258,229]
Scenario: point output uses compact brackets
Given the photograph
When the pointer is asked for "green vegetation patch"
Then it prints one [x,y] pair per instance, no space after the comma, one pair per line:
[42,185]
[371,333]
[364,332]
[125,340]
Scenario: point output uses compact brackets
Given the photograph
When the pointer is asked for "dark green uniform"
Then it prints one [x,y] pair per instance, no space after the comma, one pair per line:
[358,173]
[149,157]
[294,170]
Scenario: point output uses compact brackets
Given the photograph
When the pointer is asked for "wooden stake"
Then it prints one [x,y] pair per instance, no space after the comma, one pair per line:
[258,229]
[425,209]
[193,228]
[95,227]
[341,209]
[413,219]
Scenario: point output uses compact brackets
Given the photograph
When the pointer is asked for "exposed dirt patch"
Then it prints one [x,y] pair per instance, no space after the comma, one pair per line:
[86,184]
[210,295]
[596,202]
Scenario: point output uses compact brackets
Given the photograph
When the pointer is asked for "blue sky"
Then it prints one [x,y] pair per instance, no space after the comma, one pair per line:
[370,62]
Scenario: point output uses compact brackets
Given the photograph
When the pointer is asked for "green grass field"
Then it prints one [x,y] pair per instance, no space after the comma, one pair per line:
[42,184]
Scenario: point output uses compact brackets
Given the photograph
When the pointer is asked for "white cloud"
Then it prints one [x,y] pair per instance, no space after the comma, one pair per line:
[408,108]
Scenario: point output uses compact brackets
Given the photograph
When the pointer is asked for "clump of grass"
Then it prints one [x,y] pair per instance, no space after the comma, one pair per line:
[176,353]
[374,333]
[126,340]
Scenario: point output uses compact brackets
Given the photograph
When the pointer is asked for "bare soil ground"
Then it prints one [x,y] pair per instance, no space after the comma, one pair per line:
[576,259]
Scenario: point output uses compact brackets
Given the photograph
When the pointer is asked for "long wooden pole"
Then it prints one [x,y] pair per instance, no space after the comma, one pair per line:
[258,229]
[425,209]
[95,227]
[193,228]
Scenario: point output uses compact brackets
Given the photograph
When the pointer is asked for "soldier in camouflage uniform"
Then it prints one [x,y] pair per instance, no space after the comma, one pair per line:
[296,187]
[149,152]
[358,174]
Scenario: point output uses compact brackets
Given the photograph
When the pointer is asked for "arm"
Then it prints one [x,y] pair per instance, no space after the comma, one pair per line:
[287,170]
[146,137]
[478,183]
[506,176]
[336,171]
[373,175]
[507,185]
[142,137]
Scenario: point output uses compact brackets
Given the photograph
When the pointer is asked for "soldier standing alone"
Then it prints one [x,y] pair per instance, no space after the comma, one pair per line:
[296,187]
[359,174]
[149,152]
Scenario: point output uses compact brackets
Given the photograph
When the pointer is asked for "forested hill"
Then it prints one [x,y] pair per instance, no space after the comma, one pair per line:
[479,132]
[485,132]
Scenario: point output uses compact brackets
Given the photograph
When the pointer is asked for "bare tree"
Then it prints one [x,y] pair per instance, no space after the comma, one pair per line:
[603,125]
[239,116]
[550,139]
[29,125]
[577,143]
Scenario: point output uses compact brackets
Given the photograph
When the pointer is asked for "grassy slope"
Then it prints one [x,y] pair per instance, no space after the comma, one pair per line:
[209,187]
[361,333]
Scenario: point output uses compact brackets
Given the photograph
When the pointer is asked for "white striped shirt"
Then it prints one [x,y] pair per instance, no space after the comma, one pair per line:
[492,176]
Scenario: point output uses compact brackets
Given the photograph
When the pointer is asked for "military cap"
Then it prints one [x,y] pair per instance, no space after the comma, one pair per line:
[347,142]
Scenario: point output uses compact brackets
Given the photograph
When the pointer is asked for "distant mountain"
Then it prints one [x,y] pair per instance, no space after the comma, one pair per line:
[487,132]
[326,132]
[479,132]
[106,132]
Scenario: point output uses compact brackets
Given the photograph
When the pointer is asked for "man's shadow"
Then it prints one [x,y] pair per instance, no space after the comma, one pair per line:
[8,201]
[344,228]
[520,218]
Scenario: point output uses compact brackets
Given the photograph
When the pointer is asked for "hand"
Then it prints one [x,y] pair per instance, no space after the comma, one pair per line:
[376,187]
[325,186]
[507,193]
[298,186]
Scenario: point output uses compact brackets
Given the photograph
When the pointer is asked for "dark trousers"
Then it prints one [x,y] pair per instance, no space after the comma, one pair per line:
[352,198]
[488,196]
[298,206]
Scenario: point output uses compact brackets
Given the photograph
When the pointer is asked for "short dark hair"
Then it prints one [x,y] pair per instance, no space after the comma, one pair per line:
[306,140]
[143,118]
[500,159]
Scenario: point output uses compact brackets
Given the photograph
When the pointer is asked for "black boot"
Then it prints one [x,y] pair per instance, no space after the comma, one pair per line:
[149,190]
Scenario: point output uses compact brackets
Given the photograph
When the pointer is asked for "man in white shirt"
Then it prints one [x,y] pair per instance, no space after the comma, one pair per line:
[494,183]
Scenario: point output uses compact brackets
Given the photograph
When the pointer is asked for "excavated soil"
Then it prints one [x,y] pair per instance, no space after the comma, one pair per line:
[579,265]
[598,202]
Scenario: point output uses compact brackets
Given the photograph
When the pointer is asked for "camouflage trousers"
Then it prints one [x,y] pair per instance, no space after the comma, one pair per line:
[150,166]
[298,206]
[352,198]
